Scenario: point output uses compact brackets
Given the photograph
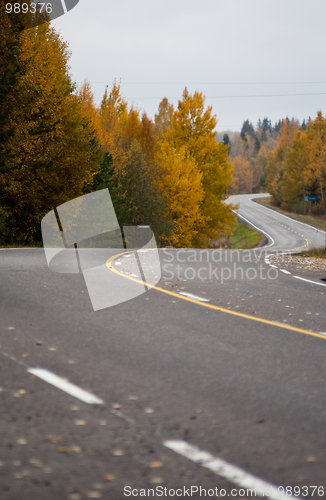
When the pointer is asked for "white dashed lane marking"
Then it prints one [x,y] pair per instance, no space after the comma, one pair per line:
[224,469]
[190,296]
[64,385]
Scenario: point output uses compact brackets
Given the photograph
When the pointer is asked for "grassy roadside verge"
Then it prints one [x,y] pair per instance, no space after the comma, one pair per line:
[319,222]
[244,237]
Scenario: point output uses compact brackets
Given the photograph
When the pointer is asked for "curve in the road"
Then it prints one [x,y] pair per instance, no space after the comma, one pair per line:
[284,234]
[109,264]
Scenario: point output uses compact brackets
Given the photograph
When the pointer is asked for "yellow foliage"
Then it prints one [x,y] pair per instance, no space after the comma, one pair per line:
[181,184]
[276,157]
[193,127]
[242,176]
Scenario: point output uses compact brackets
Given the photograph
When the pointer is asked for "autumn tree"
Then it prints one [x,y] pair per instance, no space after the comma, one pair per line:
[91,112]
[182,186]
[242,176]
[130,170]
[293,185]
[193,126]
[316,134]
[276,157]
[163,118]
[51,153]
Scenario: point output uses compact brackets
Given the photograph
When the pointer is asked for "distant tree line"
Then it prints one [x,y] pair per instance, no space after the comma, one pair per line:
[296,167]
[250,152]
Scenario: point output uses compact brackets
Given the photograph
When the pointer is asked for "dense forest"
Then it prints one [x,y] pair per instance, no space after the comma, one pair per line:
[288,160]
[56,145]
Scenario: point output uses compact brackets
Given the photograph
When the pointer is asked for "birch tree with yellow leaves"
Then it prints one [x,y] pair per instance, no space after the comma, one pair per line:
[193,127]
[182,185]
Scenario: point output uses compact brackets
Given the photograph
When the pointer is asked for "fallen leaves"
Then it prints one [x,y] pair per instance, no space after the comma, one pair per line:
[98,486]
[67,449]
[35,462]
[118,453]
[74,496]
[156,480]
[108,477]
[52,439]
[80,422]
[19,475]
[75,448]
[156,465]
[21,393]
[116,406]
[94,494]
[22,441]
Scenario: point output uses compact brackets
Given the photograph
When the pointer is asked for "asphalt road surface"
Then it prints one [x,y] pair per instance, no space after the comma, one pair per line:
[283,233]
[213,379]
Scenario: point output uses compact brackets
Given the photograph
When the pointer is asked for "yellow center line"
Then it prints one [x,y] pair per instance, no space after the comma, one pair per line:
[298,248]
[211,306]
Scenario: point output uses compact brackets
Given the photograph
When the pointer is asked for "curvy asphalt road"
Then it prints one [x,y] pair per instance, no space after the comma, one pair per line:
[225,355]
[283,233]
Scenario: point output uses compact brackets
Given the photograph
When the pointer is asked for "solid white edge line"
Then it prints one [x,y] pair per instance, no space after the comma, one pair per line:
[285,271]
[65,386]
[224,469]
[309,281]
[258,229]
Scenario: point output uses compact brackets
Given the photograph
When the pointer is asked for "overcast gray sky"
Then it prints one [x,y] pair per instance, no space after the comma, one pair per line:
[221,47]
